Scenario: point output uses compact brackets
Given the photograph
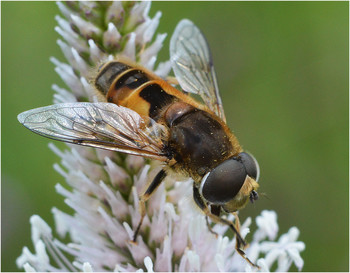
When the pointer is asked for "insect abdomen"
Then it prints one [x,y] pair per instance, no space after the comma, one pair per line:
[133,88]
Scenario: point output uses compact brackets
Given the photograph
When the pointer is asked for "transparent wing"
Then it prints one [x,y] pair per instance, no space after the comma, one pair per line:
[193,67]
[99,125]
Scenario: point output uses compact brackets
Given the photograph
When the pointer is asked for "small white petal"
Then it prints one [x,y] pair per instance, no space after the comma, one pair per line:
[140,31]
[150,64]
[267,246]
[163,261]
[195,226]
[170,210]
[41,252]
[88,88]
[116,201]
[71,80]
[263,266]
[152,27]
[60,170]
[62,95]
[102,154]
[219,259]
[95,53]
[134,210]
[97,254]
[28,268]
[139,251]
[148,264]
[153,49]
[141,9]
[247,223]
[183,262]
[128,230]
[65,26]
[267,222]
[117,175]
[87,267]
[114,229]
[295,256]
[115,12]
[146,30]
[24,257]
[62,226]
[79,63]
[272,256]
[69,35]
[62,191]
[73,57]
[193,260]
[135,162]
[163,69]
[119,268]
[39,228]
[284,263]
[293,234]
[66,49]
[110,58]
[72,41]
[179,240]
[244,232]
[111,37]
[94,171]
[68,76]
[300,246]
[221,245]
[141,179]
[65,11]
[181,192]
[86,28]
[160,225]
[87,6]
[138,14]
[129,49]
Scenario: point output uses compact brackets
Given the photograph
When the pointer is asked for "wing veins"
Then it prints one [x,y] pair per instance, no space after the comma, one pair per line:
[99,125]
[193,65]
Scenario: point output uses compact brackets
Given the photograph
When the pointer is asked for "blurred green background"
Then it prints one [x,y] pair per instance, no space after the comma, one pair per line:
[283,74]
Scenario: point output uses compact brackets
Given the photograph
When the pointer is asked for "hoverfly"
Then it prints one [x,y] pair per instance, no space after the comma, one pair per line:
[145,115]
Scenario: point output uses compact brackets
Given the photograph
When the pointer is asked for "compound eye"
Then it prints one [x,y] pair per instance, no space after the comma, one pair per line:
[223,183]
[251,165]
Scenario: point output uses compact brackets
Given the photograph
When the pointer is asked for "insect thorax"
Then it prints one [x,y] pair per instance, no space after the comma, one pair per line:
[199,143]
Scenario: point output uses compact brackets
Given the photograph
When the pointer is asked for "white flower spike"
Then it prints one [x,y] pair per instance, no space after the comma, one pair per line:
[102,187]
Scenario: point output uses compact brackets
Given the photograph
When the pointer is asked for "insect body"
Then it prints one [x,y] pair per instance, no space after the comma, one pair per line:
[192,130]
[145,115]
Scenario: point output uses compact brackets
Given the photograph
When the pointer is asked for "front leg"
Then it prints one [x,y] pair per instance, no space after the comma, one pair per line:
[217,219]
[216,211]
[144,197]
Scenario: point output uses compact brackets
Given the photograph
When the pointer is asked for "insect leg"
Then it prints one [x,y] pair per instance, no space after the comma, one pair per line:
[238,227]
[144,197]
[238,243]
[216,211]
[201,204]
[239,240]
[209,227]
